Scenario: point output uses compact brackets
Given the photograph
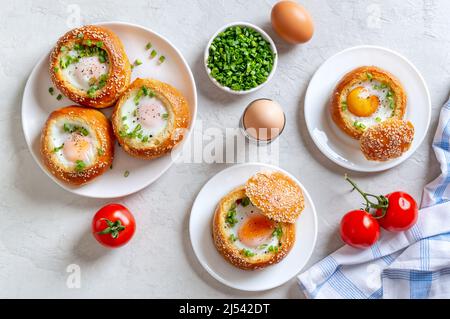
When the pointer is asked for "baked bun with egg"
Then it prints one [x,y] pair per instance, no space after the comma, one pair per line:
[77,144]
[252,235]
[387,140]
[150,118]
[366,97]
[89,66]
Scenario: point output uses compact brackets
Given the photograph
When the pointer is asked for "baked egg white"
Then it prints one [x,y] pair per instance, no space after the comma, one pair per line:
[74,144]
[250,231]
[143,116]
[368,103]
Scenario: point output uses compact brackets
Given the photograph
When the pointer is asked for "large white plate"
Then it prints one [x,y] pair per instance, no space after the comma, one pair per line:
[200,227]
[37,104]
[336,145]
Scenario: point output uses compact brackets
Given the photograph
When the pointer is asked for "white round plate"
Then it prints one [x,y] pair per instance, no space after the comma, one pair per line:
[332,142]
[200,228]
[37,104]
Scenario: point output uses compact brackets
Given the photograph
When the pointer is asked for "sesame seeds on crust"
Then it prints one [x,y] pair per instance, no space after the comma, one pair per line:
[361,74]
[276,195]
[101,129]
[233,254]
[387,140]
[119,74]
[176,104]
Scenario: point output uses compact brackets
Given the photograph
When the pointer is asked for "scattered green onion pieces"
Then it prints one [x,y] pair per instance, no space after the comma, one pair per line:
[240,58]
[137,62]
[59,97]
[79,165]
[359,125]
[369,76]
[99,44]
[100,151]
[247,253]
[80,35]
[232,238]
[51,90]
[231,219]
[378,119]
[148,46]
[144,139]
[56,149]
[165,116]
[263,246]
[126,173]
[272,249]
[153,54]
[162,58]
[75,128]
[344,105]
[245,201]
[278,232]
[55,69]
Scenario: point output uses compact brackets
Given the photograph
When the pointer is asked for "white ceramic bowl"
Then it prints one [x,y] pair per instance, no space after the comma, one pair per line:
[264,35]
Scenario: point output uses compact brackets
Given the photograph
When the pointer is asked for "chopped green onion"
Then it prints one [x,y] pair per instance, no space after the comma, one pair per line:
[56,149]
[231,219]
[165,116]
[126,173]
[79,165]
[148,46]
[100,151]
[344,105]
[278,232]
[80,35]
[378,119]
[240,58]
[153,54]
[233,238]
[369,75]
[245,201]
[59,97]
[51,90]
[162,58]
[247,253]
[137,62]
[99,44]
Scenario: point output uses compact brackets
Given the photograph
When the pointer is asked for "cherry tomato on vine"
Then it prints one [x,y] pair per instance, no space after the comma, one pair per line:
[401,214]
[359,229]
[113,225]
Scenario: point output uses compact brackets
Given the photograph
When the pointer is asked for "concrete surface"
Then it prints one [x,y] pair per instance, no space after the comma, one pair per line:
[44,229]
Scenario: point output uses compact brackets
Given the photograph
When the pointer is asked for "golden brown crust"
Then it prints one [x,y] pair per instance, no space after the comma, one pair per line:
[353,77]
[387,140]
[179,119]
[233,254]
[103,133]
[276,195]
[119,66]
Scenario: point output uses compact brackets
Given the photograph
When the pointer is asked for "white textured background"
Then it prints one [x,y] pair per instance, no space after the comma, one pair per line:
[43,228]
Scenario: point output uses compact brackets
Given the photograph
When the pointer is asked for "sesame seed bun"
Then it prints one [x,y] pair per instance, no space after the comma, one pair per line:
[232,253]
[387,140]
[276,195]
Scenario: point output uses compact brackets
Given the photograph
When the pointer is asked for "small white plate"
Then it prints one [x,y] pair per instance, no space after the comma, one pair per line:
[37,104]
[332,142]
[200,229]
[263,34]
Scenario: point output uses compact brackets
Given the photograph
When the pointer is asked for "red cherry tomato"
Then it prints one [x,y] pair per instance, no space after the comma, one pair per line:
[113,225]
[401,213]
[359,229]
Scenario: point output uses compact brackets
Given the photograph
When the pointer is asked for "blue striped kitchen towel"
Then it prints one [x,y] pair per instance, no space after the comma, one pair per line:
[412,264]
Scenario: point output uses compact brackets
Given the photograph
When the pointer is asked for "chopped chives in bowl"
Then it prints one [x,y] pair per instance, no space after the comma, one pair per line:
[240,58]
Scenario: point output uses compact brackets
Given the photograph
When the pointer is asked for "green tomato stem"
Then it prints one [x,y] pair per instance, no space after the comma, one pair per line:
[381,201]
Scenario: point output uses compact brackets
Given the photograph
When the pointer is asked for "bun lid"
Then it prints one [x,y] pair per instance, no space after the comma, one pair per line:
[276,195]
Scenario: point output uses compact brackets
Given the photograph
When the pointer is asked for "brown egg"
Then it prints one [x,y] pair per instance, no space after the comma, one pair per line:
[264,119]
[292,22]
